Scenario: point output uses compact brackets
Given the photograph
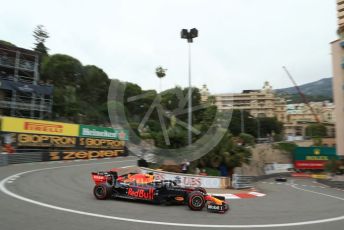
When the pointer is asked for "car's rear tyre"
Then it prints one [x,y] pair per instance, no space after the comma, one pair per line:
[102,191]
[196,201]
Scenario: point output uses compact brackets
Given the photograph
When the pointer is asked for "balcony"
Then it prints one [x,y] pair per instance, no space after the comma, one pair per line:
[18,105]
[7,61]
[10,63]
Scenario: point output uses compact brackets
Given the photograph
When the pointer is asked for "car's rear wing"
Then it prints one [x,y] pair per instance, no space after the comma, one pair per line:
[104,177]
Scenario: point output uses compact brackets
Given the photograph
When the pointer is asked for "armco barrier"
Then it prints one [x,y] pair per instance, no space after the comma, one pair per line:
[330,183]
[28,157]
[239,181]
[3,159]
[19,158]
[190,179]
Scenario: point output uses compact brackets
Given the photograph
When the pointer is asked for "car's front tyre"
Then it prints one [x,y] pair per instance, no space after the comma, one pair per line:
[196,201]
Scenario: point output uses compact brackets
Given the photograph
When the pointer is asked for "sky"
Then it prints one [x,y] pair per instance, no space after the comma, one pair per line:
[241,43]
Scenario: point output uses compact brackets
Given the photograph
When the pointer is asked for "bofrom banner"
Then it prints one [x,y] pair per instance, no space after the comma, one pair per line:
[21,125]
[102,132]
[52,141]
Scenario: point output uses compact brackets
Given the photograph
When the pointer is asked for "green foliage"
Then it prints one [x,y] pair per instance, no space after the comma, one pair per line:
[333,166]
[61,70]
[247,139]
[6,43]
[228,153]
[266,126]
[80,92]
[40,34]
[270,126]
[287,147]
[160,72]
[316,130]
[212,171]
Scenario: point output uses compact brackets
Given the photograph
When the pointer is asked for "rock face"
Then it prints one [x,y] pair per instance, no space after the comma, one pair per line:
[264,154]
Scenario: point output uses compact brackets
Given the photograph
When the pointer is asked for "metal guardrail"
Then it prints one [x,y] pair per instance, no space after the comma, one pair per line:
[239,181]
[333,184]
[18,158]
[3,159]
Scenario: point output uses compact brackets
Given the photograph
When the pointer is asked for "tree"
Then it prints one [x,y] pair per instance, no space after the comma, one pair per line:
[160,72]
[270,126]
[40,34]
[6,43]
[247,139]
[61,70]
[227,153]
[65,73]
[316,130]
[93,90]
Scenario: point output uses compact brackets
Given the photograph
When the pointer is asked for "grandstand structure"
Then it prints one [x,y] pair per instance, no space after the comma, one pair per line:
[22,93]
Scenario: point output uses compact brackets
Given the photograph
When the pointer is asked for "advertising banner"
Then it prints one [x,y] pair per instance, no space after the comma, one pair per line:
[190,180]
[313,157]
[315,153]
[310,164]
[21,125]
[26,88]
[51,141]
[277,168]
[47,141]
[102,132]
[82,154]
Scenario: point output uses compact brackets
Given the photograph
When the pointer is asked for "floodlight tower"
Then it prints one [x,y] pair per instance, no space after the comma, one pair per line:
[189,35]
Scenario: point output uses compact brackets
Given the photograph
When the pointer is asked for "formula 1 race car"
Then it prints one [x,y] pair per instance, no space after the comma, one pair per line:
[137,186]
[281,179]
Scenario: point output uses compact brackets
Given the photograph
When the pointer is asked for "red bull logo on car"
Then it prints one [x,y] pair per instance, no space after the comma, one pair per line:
[141,193]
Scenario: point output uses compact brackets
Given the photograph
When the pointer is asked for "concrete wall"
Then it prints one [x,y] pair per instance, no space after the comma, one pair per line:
[264,154]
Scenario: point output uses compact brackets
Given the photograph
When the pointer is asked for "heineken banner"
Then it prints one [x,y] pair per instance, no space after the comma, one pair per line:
[101,132]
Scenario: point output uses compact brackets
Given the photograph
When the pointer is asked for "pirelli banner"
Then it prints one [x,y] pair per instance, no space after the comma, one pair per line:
[21,125]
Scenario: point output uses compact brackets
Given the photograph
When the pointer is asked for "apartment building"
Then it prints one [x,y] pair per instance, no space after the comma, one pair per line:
[22,94]
[337,48]
[259,103]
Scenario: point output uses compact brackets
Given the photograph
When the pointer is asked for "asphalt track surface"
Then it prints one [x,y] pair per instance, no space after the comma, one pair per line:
[59,196]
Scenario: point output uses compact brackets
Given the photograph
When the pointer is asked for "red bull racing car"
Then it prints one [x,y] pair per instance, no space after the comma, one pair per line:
[137,186]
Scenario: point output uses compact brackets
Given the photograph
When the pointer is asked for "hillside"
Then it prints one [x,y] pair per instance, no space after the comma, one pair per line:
[315,91]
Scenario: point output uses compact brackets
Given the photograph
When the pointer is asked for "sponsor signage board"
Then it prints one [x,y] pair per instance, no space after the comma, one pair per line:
[277,168]
[190,180]
[83,154]
[310,164]
[21,125]
[102,132]
[52,141]
[313,157]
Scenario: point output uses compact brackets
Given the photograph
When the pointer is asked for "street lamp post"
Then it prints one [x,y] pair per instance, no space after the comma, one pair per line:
[189,35]
[242,121]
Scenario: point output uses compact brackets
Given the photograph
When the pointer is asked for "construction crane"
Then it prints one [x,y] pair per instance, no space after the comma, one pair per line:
[302,95]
